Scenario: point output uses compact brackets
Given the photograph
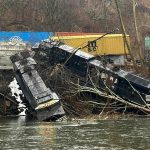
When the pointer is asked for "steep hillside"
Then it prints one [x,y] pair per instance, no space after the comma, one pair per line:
[145,3]
[79,15]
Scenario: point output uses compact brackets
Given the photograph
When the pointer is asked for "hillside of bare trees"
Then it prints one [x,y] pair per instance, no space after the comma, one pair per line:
[70,15]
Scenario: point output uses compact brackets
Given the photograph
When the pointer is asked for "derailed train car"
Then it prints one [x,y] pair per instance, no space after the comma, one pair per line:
[127,85]
[43,103]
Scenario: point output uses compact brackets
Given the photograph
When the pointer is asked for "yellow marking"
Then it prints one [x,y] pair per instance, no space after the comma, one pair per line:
[112,44]
[47,104]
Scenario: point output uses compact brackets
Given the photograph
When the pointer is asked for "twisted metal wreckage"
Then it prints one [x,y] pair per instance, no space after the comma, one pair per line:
[43,103]
[94,77]
[87,75]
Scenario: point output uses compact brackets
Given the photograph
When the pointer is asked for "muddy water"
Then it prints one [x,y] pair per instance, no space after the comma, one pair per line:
[20,133]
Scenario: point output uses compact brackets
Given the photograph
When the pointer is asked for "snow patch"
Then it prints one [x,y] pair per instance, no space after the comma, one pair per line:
[16,93]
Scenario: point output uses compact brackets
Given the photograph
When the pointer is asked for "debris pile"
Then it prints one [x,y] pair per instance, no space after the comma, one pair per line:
[57,79]
[85,77]
[8,103]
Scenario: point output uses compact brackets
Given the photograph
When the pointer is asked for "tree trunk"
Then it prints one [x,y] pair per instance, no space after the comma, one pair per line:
[137,34]
[124,34]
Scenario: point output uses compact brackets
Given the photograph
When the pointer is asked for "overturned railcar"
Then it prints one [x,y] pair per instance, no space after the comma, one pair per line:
[42,102]
[128,86]
[133,87]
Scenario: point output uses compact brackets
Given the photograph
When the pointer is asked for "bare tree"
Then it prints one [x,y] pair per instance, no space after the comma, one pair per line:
[58,14]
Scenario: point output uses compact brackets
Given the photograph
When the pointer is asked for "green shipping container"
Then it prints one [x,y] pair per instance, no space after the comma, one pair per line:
[147,43]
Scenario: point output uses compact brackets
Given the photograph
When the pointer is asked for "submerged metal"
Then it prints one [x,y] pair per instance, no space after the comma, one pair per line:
[43,103]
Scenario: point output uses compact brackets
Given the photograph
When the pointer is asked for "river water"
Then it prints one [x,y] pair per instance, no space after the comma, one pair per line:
[20,133]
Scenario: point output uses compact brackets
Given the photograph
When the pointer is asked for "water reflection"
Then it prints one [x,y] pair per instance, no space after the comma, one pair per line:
[47,132]
[22,133]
